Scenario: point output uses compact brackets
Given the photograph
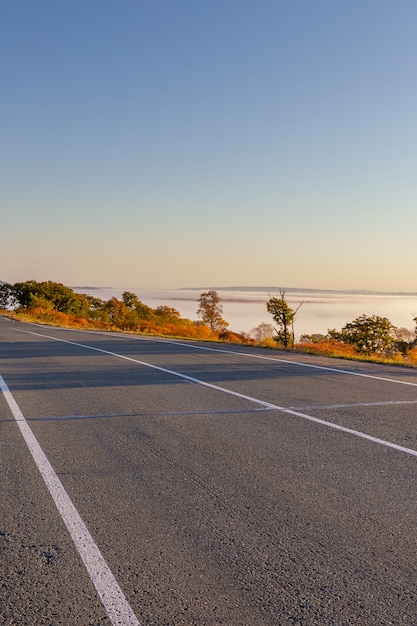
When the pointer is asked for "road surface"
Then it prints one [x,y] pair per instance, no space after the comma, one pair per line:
[149,481]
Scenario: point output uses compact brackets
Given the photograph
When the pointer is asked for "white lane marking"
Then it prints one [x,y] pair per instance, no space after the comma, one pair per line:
[279,360]
[230,392]
[112,597]
[234,352]
[352,404]
[160,369]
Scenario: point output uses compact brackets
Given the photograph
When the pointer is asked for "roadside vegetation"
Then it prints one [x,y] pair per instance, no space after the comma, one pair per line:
[367,338]
[57,305]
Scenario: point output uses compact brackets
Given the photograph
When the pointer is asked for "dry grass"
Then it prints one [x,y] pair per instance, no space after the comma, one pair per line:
[337,349]
[186,329]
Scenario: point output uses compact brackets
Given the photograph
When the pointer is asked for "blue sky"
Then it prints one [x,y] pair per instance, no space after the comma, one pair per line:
[178,143]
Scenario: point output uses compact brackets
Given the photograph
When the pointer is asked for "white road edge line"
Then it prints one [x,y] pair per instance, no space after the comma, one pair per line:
[111,595]
[356,433]
[279,360]
[225,351]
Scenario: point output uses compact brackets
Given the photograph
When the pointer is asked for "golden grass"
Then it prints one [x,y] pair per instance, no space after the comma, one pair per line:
[186,329]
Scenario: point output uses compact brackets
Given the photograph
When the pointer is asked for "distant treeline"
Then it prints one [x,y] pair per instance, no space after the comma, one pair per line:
[371,338]
[54,303]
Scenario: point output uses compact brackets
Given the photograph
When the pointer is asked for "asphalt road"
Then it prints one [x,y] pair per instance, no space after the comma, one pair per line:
[216,484]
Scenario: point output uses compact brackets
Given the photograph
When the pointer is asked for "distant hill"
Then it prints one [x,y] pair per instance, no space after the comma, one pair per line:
[308,290]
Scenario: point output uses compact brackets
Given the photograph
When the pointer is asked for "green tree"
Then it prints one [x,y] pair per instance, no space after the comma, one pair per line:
[314,338]
[284,317]
[116,312]
[32,293]
[415,331]
[167,314]
[24,292]
[210,310]
[7,298]
[132,302]
[369,334]
[404,339]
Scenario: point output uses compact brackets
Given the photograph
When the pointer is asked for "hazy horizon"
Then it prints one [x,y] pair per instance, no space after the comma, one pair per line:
[240,288]
[244,307]
[256,288]
[320,310]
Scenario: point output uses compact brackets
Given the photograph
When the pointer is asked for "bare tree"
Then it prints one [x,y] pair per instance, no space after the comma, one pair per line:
[262,332]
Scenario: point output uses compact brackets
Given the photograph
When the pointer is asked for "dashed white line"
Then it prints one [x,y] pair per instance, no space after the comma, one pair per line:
[111,595]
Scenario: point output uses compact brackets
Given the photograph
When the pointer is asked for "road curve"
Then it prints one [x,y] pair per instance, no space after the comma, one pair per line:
[149,481]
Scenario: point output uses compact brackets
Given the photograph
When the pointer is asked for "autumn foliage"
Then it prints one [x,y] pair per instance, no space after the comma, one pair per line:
[57,305]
